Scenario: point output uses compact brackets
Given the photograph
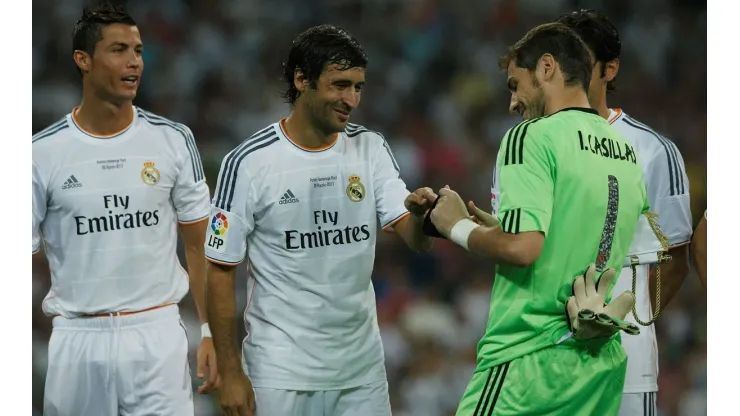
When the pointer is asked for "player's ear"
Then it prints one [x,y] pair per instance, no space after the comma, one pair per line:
[611,69]
[300,81]
[83,60]
[546,67]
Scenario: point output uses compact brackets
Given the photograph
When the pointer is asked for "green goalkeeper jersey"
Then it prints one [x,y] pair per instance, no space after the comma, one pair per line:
[571,176]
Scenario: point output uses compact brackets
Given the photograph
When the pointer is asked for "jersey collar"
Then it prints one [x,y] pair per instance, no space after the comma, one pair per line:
[100,140]
[583,109]
[284,133]
[614,114]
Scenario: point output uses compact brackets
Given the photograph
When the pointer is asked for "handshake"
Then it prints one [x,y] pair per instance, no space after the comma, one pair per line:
[441,212]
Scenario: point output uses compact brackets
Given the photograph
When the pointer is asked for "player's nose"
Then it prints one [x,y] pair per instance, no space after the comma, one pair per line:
[513,105]
[351,100]
[134,62]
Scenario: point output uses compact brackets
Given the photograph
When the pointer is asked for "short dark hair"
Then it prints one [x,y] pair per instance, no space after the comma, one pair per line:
[559,41]
[599,34]
[88,30]
[316,48]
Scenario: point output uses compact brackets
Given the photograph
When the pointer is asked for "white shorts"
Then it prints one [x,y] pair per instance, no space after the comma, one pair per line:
[639,404]
[367,400]
[127,365]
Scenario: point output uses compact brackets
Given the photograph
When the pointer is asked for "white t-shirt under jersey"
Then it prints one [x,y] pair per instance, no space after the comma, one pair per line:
[107,209]
[668,192]
[306,219]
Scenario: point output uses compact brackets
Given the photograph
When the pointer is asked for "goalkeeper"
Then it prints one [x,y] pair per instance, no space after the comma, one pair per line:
[571,195]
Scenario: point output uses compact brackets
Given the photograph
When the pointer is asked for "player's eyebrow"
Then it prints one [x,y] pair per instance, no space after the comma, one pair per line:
[347,81]
[125,45]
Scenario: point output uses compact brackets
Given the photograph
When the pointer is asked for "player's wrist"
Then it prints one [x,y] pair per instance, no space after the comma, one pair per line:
[418,219]
[205,331]
[460,232]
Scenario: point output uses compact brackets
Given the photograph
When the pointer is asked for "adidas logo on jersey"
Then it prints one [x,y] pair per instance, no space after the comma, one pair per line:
[71,182]
[288,198]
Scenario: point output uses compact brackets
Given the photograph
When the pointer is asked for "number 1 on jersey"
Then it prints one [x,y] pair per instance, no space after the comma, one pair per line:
[610,224]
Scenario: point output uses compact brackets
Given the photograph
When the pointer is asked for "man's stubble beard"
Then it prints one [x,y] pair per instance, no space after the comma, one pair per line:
[538,103]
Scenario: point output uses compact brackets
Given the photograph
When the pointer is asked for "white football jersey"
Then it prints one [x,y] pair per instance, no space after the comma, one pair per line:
[106,210]
[668,193]
[306,219]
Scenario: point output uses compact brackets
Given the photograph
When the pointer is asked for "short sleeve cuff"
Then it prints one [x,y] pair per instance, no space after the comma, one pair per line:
[521,220]
[193,217]
[678,240]
[388,226]
[220,259]
[674,217]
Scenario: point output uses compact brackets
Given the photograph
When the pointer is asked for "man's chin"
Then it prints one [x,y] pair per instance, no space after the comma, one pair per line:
[339,126]
[124,97]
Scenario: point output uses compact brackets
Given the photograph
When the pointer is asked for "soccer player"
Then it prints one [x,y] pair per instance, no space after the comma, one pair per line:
[699,249]
[668,193]
[301,199]
[112,185]
[571,194]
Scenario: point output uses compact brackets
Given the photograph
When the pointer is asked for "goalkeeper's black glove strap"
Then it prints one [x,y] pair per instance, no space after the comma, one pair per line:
[429,229]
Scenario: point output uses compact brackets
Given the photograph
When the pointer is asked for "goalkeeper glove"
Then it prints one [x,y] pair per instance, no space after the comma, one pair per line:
[589,316]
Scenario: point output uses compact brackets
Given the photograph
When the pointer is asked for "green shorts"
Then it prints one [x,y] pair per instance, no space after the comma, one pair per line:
[559,380]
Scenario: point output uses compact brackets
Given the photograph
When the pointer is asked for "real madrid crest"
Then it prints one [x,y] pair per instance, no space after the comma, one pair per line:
[355,189]
[150,174]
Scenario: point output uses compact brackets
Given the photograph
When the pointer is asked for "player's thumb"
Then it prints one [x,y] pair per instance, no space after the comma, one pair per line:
[571,313]
[571,306]
[620,306]
[472,209]
[482,216]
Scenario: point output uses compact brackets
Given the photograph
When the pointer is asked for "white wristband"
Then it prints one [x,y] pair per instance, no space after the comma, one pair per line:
[205,331]
[461,231]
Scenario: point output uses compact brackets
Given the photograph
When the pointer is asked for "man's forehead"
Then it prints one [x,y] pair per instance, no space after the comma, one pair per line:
[514,71]
[120,33]
[336,71]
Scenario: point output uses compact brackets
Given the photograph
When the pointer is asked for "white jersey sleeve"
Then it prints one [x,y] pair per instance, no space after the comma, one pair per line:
[390,189]
[39,207]
[668,191]
[190,194]
[232,210]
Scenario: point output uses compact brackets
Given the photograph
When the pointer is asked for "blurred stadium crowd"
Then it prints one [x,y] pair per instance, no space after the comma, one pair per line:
[435,91]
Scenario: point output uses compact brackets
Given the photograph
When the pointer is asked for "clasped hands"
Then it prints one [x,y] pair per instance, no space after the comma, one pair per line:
[441,212]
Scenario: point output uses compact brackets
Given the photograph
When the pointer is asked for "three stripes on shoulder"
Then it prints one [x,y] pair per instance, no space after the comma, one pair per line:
[514,146]
[227,178]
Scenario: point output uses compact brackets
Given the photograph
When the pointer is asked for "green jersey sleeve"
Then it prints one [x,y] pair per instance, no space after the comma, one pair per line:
[526,180]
